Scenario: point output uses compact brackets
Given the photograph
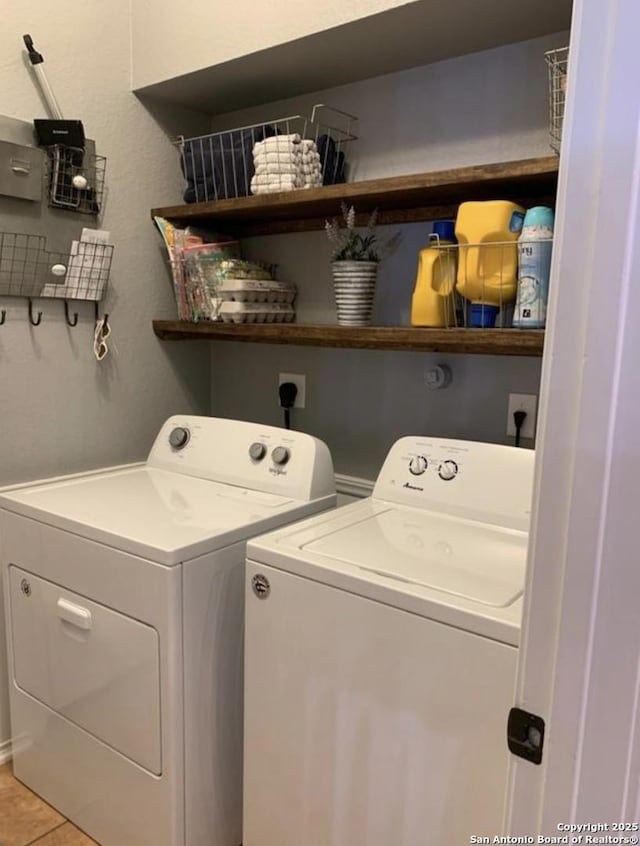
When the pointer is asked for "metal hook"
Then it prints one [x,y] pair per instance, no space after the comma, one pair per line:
[33,322]
[3,316]
[105,319]
[70,322]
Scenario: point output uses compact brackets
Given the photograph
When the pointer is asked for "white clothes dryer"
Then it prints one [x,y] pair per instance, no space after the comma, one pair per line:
[124,609]
[380,655]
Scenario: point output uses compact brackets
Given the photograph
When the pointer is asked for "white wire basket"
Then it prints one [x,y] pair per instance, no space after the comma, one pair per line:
[288,153]
[481,285]
[557,67]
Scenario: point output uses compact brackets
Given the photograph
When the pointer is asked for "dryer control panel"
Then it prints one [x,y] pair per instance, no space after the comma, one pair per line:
[249,455]
[487,482]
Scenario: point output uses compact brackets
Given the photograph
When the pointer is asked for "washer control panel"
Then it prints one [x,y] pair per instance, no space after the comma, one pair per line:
[467,478]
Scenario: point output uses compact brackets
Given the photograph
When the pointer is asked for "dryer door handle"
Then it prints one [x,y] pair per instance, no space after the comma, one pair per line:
[74,614]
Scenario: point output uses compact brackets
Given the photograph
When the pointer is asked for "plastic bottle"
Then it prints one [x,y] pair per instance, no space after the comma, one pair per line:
[534,263]
[487,232]
[432,302]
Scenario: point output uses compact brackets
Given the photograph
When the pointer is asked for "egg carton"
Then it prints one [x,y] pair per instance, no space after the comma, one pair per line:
[256,291]
[234,312]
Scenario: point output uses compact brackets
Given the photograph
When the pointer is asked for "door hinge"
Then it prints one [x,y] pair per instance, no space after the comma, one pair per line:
[525,735]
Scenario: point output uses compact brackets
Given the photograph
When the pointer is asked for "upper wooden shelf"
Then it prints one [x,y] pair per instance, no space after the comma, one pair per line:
[480,341]
[399,199]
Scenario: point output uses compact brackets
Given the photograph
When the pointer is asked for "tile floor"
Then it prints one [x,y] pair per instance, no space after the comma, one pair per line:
[25,819]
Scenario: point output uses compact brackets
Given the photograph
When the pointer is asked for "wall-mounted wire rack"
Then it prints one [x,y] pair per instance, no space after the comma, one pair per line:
[557,61]
[29,269]
[221,165]
[74,179]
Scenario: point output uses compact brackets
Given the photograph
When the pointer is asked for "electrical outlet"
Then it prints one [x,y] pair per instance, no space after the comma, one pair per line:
[522,402]
[300,381]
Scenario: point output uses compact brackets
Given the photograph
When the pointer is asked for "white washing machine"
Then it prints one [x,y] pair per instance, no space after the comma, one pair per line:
[124,607]
[380,655]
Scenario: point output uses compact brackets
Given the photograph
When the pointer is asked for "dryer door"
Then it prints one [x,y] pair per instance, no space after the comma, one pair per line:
[92,665]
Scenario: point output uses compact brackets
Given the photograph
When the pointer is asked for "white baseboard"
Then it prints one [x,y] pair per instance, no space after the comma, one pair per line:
[5,751]
[353,486]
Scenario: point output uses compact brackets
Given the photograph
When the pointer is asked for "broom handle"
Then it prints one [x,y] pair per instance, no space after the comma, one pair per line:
[36,60]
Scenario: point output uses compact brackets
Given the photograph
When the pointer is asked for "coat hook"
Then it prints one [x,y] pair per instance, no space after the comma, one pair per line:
[70,322]
[3,316]
[33,322]
[105,319]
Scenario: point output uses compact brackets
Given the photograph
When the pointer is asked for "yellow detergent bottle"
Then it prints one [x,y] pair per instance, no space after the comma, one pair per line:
[487,233]
[432,303]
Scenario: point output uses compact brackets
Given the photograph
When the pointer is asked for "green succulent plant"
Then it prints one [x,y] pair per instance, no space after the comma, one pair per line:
[347,244]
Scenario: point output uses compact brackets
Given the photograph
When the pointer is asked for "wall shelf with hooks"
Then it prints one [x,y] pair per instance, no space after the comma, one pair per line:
[30,270]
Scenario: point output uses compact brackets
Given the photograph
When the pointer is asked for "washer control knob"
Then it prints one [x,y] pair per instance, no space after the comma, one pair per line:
[179,437]
[280,455]
[257,451]
[418,465]
[448,470]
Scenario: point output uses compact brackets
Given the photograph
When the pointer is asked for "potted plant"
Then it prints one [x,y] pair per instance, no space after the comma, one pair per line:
[354,263]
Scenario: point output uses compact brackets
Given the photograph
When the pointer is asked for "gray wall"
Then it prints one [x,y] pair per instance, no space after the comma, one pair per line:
[60,410]
[491,106]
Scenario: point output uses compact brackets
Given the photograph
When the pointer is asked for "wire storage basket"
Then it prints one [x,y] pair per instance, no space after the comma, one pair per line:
[29,269]
[557,70]
[485,285]
[75,179]
[212,283]
[278,155]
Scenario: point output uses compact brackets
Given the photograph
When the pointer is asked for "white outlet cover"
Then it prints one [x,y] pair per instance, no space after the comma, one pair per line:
[300,381]
[522,402]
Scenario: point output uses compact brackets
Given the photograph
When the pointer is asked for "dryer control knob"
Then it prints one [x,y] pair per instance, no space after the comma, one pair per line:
[448,470]
[418,465]
[257,451]
[179,437]
[280,455]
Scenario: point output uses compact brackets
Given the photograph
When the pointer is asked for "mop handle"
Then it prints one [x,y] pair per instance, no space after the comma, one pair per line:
[36,60]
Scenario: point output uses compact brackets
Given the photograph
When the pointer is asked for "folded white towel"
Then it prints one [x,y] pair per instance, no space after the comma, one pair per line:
[282,182]
[307,144]
[281,158]
[276,187]
[279,168]
[310,157]
[294,138]
[310,168]
[278,142]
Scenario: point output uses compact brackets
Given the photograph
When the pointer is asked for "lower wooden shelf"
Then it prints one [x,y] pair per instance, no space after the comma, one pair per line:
[527,342]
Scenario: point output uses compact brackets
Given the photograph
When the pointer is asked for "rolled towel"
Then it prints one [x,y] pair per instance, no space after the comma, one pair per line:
[307,145]
[284,157]
[294,138]
[280,142]
[281,183]
[275,188]
[279,169]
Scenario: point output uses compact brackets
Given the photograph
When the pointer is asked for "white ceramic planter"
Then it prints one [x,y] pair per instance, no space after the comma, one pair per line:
[354,284]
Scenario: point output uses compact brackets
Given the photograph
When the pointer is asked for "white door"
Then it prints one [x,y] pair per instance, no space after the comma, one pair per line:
[580,655]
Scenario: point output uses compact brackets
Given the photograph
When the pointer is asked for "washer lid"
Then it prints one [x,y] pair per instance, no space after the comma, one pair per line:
[474,561]
[154,513]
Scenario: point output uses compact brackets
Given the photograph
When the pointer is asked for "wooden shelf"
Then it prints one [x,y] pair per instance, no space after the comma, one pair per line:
[479,341]
[399,199]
